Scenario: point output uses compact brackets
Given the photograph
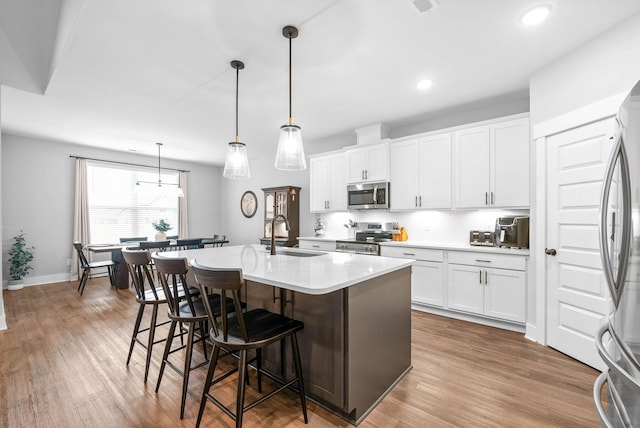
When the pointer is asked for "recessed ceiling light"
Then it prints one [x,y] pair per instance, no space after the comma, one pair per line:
[423,84]
[536,15]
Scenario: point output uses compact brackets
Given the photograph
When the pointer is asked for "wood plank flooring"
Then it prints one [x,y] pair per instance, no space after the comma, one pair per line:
[62,364]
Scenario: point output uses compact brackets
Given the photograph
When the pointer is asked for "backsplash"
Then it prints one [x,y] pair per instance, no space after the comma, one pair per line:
[431,226]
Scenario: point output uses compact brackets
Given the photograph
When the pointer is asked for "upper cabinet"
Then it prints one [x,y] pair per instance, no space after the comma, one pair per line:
[369,163]
[328,183]
[421,173]
[491,165]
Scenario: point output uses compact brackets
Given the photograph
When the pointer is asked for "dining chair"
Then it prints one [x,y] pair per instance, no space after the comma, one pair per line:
[188,244]
[242,332]
[184,308]
[87,266]
[147,294]
[219,238]
[154,245]
[173,237]
[133,239]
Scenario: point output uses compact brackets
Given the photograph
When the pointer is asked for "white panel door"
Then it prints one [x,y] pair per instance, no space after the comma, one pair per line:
[318,184]
[435,172]
[427,283]
[465,288]
[472,168]
[510,158]
[577,294]
[404,175]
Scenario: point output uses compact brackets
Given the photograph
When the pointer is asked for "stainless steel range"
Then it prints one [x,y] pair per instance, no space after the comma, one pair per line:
[368,237]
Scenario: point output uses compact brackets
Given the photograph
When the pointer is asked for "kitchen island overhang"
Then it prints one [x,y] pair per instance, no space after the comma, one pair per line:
[356,344]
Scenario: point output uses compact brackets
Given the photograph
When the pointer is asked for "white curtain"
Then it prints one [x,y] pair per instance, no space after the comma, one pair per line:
[183,230]
[81,231]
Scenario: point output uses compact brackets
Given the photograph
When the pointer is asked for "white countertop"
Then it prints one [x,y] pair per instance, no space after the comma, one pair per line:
[321,274]
[435,245]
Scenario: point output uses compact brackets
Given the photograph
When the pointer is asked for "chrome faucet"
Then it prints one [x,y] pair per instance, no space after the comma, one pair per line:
[273,231]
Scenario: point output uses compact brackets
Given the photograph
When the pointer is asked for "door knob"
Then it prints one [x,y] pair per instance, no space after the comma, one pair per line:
[550,251]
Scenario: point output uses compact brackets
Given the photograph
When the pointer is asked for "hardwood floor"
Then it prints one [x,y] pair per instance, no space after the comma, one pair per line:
[62,364]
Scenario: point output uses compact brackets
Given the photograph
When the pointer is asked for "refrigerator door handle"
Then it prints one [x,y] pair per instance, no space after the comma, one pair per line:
[625,352]
[616,283]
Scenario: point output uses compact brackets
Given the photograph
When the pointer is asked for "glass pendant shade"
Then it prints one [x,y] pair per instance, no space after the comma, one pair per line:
[236,164]
[290,154]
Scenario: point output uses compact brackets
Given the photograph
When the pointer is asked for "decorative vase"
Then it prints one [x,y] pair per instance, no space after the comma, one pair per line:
[161,236]
[15,284]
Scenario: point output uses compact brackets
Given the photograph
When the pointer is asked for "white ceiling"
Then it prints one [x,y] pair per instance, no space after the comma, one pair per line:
[125,74]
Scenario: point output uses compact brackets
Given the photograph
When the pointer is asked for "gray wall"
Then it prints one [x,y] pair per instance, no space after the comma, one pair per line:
[38,191]
[607,65]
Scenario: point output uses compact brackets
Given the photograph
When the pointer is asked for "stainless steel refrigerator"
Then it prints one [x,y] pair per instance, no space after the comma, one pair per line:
[618,341]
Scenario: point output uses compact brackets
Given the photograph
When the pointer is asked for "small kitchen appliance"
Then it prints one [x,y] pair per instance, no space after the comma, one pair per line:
[482,238]
[512,232]
[368,237]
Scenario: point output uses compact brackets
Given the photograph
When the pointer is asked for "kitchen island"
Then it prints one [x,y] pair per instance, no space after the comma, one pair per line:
[356,344]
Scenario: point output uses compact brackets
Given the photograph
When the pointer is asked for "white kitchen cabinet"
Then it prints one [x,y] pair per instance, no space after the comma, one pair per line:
[316,244]
[328,183]
[427,273]
[487,284]
[421,173]
[491,165]
[369,163]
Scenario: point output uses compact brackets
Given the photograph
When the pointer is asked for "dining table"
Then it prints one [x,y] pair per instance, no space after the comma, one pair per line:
[121,273]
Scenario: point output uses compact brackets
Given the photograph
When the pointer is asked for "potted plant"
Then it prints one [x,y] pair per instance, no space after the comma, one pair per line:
[161,228]
[19,258]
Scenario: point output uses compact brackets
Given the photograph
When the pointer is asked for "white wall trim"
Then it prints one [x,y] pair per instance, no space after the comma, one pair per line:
[44,279]
[537,256]
[531,332]
[590,113]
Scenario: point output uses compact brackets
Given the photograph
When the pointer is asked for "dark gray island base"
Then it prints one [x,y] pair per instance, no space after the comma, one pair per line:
[356,342]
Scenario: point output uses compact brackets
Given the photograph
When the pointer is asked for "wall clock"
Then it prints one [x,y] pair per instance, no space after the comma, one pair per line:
[249,204]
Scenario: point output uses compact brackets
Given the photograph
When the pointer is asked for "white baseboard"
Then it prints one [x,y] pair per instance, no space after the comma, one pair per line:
[531,332]
[505,325]
[44,279]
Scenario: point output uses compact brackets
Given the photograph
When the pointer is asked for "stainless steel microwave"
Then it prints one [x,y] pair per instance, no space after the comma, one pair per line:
[367,196]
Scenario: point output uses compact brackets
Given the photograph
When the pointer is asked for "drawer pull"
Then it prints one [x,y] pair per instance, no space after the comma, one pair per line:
[315,246]
[409,254]
[483,261]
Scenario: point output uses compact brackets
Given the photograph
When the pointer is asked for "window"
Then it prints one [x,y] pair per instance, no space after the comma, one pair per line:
[120,208]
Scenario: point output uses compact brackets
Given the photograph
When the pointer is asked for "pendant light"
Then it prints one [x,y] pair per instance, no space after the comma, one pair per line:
[290,154]
[179,191]
[236,164]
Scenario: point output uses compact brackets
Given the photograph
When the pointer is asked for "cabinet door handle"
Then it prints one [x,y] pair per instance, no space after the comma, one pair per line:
[486,198]
[416,201]
[492,202]
[328,204]
[480,272]
[486,281]
[366,174]
[420,200]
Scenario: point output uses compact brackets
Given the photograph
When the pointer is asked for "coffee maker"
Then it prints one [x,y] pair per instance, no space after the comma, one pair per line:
[512,232]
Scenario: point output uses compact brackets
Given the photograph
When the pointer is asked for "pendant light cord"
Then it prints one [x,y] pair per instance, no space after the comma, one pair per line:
[290,116]
[159,181]
[237,79]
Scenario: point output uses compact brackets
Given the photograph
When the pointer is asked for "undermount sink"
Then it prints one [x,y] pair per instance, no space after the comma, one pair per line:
[298,253]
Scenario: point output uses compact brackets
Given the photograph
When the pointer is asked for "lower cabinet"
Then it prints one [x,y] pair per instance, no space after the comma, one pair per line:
[478,283]
[487,284]
[427,274]
[316,244]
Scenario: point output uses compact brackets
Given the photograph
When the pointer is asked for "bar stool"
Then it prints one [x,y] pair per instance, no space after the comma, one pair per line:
[242,332]
[185,308]
[146,294]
